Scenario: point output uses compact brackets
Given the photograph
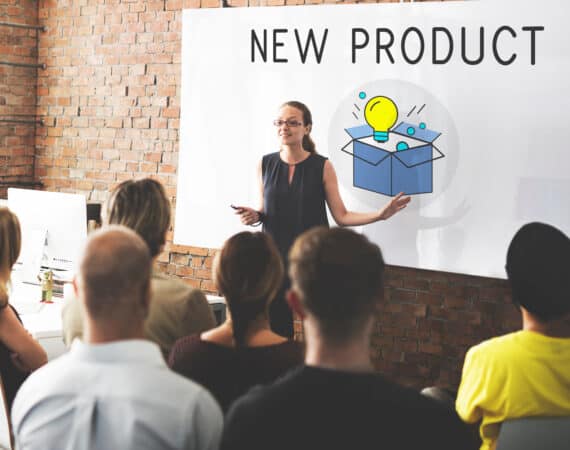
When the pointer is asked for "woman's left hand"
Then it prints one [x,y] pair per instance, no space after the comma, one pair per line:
[395,205]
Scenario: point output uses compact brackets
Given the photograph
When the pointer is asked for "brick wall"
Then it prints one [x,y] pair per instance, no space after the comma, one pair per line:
[429,319]
[110,100]
[17,92]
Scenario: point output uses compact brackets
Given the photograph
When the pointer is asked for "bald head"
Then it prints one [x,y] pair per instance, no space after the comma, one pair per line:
[114,275]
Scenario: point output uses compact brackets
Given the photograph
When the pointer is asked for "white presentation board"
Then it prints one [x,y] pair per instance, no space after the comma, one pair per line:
[482,94]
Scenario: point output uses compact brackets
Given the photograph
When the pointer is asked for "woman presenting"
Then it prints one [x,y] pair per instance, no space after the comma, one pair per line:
[294,185]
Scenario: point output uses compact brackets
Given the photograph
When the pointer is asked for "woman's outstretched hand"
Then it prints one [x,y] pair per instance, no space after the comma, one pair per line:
[395,205]
[248,216]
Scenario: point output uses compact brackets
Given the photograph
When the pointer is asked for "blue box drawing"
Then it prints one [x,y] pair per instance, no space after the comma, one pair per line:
[402,164]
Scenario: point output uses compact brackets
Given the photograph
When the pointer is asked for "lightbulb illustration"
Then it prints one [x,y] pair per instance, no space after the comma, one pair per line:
[381,114]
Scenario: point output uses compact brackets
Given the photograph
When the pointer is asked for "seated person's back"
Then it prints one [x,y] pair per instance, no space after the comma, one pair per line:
[336,400]
[113,396]
[114,391]
[242,352]
[313,407]
[229,372]
[525,373]
[176,309]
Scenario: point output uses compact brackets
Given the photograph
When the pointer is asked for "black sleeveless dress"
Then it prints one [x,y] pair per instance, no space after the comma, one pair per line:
[291,209]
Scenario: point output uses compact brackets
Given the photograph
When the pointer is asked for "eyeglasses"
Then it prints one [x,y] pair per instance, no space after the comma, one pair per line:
[290,123]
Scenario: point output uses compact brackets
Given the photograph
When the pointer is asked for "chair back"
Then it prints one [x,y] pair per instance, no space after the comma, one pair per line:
[535,433]
[6,438]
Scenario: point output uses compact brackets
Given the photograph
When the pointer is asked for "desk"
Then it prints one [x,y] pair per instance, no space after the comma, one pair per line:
[45,326]
[44,323]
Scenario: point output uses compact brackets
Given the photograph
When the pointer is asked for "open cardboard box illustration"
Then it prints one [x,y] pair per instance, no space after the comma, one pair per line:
[404,163]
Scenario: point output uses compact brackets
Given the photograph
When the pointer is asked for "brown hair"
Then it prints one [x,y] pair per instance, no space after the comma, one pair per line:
[142,206]
[10,245]
[248,273]
[338,274]
[308,143]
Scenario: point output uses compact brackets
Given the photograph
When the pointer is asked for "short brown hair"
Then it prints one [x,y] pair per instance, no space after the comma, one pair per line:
[10,245]
[114,272]
[248,272]
[142,206]
[338,274]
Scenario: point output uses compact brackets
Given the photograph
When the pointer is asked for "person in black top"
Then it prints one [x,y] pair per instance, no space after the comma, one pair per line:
[336,401]
[20,353]
[294,185]
[242,352]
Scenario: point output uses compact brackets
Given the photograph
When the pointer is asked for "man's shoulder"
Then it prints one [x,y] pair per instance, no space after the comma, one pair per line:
[68,376]
[264,414]
[164,282]
[51,373]
[156,398]
[183,388]
[494,348]
[334,407]
[51,379]
[313,384]
[166,289]
[281,392]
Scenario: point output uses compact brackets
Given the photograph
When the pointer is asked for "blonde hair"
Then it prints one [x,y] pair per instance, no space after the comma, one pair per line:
[248,272]
[142,206]
[10,245]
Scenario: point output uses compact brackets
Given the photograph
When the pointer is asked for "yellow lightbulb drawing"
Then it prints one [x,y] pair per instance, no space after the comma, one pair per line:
[381,114]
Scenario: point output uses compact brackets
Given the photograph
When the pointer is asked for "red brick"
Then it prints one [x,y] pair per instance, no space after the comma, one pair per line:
[114,122]
[170,112]
[185,271]
[430,348]
[403,295]
[142,122]
[203,274]
[455,302]
[208,286]
[180,260]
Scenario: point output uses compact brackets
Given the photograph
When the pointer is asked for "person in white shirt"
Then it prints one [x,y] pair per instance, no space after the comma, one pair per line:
[114,390]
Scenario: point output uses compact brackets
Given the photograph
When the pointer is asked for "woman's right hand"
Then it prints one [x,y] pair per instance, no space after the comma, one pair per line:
[248,216]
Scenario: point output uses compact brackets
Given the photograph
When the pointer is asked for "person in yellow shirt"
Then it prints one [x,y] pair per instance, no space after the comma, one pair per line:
[525,373]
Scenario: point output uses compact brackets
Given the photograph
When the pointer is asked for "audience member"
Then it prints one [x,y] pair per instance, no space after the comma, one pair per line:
[525,373]
[19,352]
[114,391]
[336,401]
[176,309]
[243,351]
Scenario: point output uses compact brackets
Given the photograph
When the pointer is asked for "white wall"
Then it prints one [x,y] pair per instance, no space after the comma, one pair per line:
[503,126]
